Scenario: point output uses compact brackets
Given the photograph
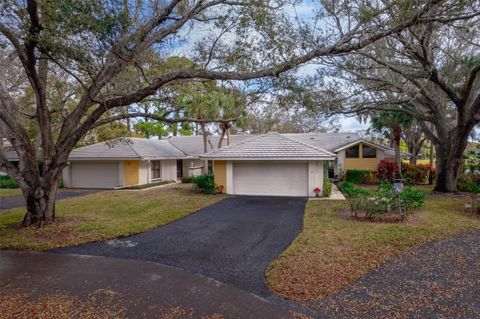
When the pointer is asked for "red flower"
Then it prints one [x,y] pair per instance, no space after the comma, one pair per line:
[317,190]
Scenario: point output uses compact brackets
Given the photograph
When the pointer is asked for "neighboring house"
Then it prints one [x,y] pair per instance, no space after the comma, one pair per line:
[268,164]
[271,164]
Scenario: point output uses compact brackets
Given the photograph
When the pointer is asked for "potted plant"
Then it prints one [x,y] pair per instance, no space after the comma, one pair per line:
[317,191]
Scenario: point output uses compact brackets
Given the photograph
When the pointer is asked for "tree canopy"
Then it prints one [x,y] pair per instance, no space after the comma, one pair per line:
[72,66]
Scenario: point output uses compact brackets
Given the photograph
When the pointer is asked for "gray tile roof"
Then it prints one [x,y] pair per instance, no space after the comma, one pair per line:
[128,148]
[326,141]
[270,146]
[192,146]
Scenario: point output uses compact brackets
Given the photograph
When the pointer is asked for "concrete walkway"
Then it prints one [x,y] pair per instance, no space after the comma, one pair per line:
[336,195]
[121,288]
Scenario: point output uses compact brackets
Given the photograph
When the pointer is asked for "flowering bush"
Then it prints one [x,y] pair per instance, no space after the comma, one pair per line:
[415,174]
[383,200]
[387,171]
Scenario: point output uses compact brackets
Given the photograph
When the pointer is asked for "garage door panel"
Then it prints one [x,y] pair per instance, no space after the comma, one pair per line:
[270,178]
[95,174]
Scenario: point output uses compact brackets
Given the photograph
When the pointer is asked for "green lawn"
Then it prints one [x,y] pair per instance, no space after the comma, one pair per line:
[104,215]
[8,192]
[333,250]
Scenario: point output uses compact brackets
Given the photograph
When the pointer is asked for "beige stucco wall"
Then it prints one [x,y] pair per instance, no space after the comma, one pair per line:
[67,182]
[315,176]
[169,170]
[189,163]
[144,172]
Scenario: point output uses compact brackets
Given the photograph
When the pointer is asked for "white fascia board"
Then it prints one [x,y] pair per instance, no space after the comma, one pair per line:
[105,158]
[358,142]
[269,158]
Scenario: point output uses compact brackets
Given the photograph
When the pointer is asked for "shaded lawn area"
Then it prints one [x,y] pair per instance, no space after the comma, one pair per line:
[104,215]
[8,192]
[333,250]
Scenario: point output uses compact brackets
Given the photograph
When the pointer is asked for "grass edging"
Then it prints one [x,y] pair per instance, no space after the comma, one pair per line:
[103,216]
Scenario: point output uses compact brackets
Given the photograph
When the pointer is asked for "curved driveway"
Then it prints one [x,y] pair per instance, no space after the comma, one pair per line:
[232,241]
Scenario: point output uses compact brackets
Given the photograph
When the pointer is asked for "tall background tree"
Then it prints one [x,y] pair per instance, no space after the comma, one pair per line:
[434,68]
[99,49]
[393,125]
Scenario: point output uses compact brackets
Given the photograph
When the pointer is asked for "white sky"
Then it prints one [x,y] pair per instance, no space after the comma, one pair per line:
[304,10]
[351,124]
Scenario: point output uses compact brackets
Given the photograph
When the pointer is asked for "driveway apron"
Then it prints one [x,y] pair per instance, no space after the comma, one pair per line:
[232,241]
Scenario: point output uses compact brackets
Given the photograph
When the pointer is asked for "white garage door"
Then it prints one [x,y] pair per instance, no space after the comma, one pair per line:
[270,178]
[94,174]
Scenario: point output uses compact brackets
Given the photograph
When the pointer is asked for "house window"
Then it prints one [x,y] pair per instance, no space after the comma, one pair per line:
[156,169]
[369,152]
[353,152]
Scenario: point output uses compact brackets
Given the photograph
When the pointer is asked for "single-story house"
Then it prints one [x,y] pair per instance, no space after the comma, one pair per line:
[273,163]
[122,162]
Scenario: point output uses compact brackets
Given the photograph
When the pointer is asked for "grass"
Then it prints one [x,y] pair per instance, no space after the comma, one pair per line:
[8,192]
[103,215]
[332,251]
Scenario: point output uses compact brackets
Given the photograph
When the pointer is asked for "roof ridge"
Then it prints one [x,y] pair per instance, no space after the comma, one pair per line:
[306,144]
[242,142]
[133,149]
[177,148]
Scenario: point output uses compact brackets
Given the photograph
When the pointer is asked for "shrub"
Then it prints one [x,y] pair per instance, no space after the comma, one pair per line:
[383,200]
[468,183]
[387,171]
[370,178]
[7,182]
[357,176]
[357,197]
[327,187]
[187,179]
[410,199]
[415,174]
[204,183]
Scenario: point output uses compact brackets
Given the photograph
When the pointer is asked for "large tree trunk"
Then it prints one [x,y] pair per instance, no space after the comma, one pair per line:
[449,157]
[396,136]
[430,175]
[205,145]
[40,199]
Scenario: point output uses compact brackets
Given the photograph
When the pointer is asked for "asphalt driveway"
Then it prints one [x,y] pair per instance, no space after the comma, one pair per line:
[232,241]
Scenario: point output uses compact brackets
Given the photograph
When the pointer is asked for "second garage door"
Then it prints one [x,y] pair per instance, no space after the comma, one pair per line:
[101,174]
[270,178]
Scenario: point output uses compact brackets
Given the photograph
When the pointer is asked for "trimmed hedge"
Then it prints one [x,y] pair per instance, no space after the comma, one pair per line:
[327,187]
[7,182]
[187,179]
[357,176]
[205,184]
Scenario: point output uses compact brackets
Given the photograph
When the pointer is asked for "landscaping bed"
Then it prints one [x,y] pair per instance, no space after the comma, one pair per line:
[333,251]
[103,216]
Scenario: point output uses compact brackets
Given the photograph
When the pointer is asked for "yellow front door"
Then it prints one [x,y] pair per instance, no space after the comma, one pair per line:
[130,170]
